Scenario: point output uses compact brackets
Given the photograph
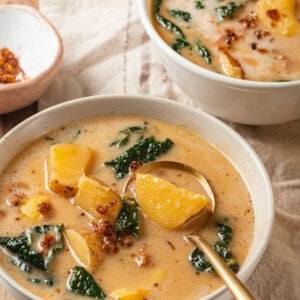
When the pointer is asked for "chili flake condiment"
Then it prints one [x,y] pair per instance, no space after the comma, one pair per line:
[10,69]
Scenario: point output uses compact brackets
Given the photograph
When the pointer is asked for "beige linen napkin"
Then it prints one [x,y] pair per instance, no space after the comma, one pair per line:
[107,51]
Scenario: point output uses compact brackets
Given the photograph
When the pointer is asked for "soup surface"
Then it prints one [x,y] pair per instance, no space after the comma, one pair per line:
[158,261]
[253,40]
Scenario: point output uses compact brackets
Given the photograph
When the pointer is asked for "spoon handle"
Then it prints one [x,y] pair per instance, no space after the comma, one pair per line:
[236,287]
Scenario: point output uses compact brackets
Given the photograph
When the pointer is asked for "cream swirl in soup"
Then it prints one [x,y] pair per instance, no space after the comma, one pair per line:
[73,236]
[252,40]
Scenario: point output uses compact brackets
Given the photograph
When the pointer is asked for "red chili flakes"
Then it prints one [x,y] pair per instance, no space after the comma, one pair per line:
[47,241]
[44,208]
[273,14]
[10,70]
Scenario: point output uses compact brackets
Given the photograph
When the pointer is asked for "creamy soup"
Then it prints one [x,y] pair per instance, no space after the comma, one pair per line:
[155,265]
[253,40]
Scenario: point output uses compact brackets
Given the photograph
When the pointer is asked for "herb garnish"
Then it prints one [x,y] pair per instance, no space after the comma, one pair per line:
[169,25]
[128,220]
[125,135]
[179,44]
[201,263]
[82,283]
[145,150]
[180,14]
[203,52]
[199,4]
[227,12]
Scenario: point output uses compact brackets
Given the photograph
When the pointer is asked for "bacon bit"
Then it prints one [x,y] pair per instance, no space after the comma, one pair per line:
[47,241]
[15,198]
[109,245]
[44,208]
[227,40]
[134,165]
[273,14]
[171,245]
[101,209]
[143,259]
[253,46]
[82,214]
[10,70]
[249,21]
[262,51]
[261,34]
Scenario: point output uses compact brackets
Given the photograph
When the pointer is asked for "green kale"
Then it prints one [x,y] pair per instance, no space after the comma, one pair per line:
[82,283]
[169,25]
[125,135]
[203,52]
[224,233]
[199,4]
[180,14]
[179,44]
[22,250]
[144,151]
[19,246]
[128,220]
[227,12]
[200,262]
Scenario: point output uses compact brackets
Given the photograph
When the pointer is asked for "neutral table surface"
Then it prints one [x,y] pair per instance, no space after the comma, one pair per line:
[105,56]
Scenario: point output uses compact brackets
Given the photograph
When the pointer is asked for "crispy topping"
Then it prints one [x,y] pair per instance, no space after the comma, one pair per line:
[249,21]
[228,38]
[44,208]
[273,14]
[134,165]
[47,241]
[143,259]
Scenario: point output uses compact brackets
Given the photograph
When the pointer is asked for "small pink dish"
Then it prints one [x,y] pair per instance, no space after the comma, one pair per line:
[39,49]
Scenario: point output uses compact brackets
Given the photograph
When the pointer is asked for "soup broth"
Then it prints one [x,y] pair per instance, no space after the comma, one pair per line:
[167,273]
[242,39]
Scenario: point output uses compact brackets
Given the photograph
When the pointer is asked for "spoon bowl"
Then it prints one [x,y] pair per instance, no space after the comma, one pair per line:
[198,221]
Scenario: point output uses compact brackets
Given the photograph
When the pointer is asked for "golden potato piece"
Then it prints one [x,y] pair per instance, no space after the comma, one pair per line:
[30,207]
[278,16]
[230,66]
[85,247]
[127,294]
[166,204]
[67,162]
[97,200]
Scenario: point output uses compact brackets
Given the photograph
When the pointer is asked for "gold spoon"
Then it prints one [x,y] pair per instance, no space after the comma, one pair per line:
[236,287]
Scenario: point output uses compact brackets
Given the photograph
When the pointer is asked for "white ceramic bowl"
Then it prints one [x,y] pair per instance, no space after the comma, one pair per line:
[38,47]
[210,128]
[236,100]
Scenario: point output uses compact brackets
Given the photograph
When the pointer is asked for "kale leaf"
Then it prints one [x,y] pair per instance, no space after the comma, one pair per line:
[145,150]
[128,220]
[125,135]
[180,14]
[22,251]
[82,283]
[227,12]
[203,52]
[201,263]
[199,4]
[169,25]
[179,44]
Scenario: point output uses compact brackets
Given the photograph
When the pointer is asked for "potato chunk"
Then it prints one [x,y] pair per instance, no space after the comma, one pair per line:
[230,66]
[166,204]
[278,16]
[30,207]
[85,247]
[97,200]
[127,294]
[67,162]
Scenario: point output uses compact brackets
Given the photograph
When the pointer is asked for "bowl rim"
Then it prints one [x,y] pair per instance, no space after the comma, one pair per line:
[188,65]
[57,59]
[84,101]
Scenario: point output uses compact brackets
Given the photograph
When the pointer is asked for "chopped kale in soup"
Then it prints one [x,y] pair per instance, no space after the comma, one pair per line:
[75,235]
[252,40]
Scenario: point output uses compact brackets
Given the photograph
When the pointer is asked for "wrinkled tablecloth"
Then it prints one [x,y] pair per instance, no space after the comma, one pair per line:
[107,51]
